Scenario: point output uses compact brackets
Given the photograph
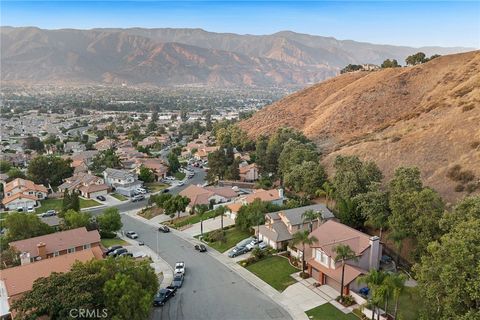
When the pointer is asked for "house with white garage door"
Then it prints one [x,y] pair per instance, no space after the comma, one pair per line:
[320,256]
[280,226]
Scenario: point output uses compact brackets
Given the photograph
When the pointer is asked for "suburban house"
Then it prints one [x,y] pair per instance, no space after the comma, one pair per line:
[21,194]
[104,144]
[280,226]
[320,256]
[88,185]
[202,153]
[274,196]
[207,195]
[156,165]
[124,182]
[248,172]
[16,281]
[55,244]
[74,147]
[151,141]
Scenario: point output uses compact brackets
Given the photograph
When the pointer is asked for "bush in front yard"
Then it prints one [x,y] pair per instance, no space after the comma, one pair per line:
[347,300]
[304,275]
[215,236]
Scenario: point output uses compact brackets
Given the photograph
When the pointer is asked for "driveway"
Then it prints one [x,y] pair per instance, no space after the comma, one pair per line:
[303,297]
[211,290]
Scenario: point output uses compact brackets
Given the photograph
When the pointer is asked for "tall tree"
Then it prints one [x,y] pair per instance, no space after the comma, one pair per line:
[343,254]
[22,225]
[374,279]
[146,174]
[303,237]
[220,211]
[173,163]
[74,219]
[110,221]
[373,206]
[448,274]
[49,170]
[310,216]
[306,177]
[328,191]
[295,153]
[201,209]
[397,282]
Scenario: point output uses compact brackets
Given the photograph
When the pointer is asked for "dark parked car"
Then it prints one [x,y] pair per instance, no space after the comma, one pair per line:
[163,296]
[166,190]
[117,252]
[101,198]
[200,247]
[126,254]
[177,280]
[163,229]
[112,248]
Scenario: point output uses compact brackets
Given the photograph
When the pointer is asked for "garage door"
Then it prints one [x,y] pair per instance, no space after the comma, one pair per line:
[315,274]
[332,283]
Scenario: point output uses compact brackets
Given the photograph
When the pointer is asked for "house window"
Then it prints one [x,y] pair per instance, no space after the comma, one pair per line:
[86,246]
[71,250]
[56,254]
[321,257]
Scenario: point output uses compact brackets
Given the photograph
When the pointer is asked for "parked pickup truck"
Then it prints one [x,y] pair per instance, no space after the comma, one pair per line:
[180,267]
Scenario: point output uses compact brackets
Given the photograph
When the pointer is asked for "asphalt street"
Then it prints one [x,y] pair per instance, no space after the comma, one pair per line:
[198,178]
[211,291]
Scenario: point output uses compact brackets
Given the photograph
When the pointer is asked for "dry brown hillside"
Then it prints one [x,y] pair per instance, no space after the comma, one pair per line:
[427,115]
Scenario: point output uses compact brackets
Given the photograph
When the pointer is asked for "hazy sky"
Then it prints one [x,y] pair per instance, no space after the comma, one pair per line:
[444,23]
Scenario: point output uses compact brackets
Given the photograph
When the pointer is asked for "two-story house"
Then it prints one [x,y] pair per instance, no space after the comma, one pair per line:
[206,195]
[21,194]
[124,182]
[88,185]
[280,226]
[321,256]
[248,172]
[274,196]
[55,244]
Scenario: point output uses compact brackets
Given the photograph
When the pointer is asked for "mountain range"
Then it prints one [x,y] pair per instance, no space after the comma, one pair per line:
[426,116]
[166,57]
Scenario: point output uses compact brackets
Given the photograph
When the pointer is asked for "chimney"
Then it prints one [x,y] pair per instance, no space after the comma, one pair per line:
[24,258]
[42,250]
[280,193]
[375,253]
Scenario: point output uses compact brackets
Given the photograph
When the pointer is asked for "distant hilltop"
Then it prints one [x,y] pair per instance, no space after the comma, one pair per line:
[427,115]
[166,57]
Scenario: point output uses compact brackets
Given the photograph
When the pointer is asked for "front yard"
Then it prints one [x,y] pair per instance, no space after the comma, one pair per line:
[275,271]
[150,212]
[179,175]
[118,196]
[56,204]
[328,312]
[183,221]
[156,186]
[232,237]
[112,242]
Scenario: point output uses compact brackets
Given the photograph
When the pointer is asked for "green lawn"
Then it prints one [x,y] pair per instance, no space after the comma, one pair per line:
[275,271]
[155,186]
[408,305]
[233,237]
[118,196]
[179,175]
[328,312]
[87,203]
[183,221]
[112,242]
[150,212]
[56,204]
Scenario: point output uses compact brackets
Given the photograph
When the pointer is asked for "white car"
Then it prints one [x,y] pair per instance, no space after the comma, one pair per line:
[180,267]
[30,209]
[131,234]
[141,191]
[170,178]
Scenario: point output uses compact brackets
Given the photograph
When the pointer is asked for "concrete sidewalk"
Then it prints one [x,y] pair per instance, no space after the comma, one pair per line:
[163,270]
[208,225]
[290,306]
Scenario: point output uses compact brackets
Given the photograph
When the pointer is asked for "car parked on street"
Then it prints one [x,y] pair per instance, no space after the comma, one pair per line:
[180,267]
[163,296]
[131,234]
[200,248]
[163,229]
[101,198]
[49,213]
[178,280]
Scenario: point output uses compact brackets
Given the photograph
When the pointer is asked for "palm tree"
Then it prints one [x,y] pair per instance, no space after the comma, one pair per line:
[220,211]
[200,210]
[257,218]
[344,253]
[397,283]
[374,280]
[302,237]
[327,191]
[310,216]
